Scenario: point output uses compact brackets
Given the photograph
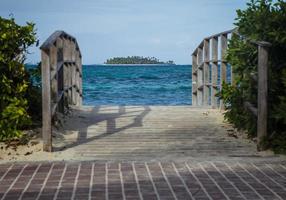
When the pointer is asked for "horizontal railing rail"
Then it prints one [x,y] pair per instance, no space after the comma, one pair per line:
[61,79]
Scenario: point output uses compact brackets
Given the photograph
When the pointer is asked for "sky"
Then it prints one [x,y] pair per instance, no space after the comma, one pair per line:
[165,29]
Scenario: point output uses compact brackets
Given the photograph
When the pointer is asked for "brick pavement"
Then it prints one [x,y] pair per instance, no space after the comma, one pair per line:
[143,180]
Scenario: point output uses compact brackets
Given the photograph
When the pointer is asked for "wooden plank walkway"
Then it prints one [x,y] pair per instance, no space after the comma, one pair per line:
[150,133]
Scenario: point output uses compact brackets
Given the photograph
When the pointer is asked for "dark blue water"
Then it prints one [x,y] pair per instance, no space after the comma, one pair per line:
[137,85]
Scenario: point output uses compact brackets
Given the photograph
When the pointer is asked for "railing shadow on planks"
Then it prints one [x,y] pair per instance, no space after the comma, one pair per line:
[206,82]
[61,79]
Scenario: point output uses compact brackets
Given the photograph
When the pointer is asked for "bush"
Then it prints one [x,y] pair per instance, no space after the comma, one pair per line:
[14,82]
[263,20]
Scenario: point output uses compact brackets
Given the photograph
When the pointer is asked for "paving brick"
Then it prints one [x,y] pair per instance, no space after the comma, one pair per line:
[145,181]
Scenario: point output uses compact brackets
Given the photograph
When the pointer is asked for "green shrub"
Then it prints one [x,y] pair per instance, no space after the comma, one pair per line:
[14,82]
[263,20]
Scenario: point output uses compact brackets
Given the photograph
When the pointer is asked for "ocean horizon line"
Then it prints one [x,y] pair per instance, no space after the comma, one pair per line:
[121,64]
[135,64]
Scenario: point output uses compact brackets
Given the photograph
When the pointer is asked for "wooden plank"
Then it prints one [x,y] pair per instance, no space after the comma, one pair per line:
[223,66]
[262,95]
[66,82]
[73,73]
[79,78]
[80,81]
[206,71]
[73,82]
[73,51]
[70,69]
[60,73]
[194,80]
[46,102]
[212,36]
[66,57]
[200,77]
[54,70]
[69,81]
[53,38]
[221,33]
[214,90]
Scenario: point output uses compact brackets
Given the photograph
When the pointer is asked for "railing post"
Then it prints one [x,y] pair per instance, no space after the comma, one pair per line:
[80,80]
[194,80]
[78,77]
[66,71]
[214,88]
[200,77]
[263,48]
[69,69]
[206,70]
[46,101]
[223,64]
[73,69]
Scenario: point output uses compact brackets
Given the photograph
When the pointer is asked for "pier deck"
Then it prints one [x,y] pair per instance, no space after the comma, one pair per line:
[150,133]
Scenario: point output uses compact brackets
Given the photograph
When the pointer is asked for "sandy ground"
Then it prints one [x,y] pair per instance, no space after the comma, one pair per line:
[31,150]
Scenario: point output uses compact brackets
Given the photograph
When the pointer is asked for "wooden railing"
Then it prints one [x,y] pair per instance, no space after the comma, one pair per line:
[205,77]
[205,87]
[61,79]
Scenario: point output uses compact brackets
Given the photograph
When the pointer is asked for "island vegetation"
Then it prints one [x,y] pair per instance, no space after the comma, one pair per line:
[137,60]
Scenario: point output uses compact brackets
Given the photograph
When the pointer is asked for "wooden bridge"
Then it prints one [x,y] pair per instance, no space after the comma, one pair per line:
[145,152]
[146,132]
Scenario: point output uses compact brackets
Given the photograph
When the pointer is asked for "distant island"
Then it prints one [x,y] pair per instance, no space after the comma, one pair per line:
[137,60]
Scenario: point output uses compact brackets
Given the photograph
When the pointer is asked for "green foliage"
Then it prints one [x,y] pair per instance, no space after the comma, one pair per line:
[263,20]
[136,60]
[14,82]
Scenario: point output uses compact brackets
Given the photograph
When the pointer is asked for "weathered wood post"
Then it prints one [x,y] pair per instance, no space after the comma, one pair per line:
[80,80]
[214,88]
[194,79]
[223,64]
[263,48]
[53,74]
[200,77]
[60,76]
[46,101]
[73,73]
[206,70]
[66,70]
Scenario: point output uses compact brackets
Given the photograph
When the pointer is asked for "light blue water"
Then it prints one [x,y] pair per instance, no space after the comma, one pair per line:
[137,85]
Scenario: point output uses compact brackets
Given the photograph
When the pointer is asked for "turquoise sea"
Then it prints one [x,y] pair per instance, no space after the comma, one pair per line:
[137,85]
